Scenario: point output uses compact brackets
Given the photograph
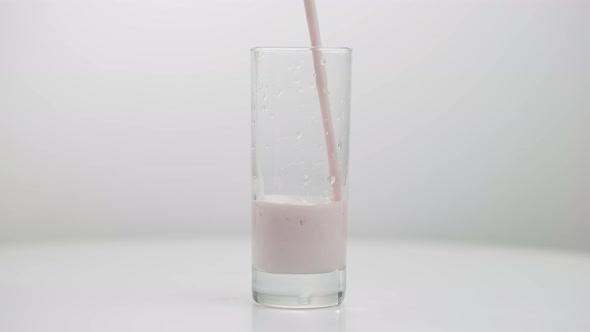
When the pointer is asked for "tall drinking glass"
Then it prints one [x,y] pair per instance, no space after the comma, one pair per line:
[299,221]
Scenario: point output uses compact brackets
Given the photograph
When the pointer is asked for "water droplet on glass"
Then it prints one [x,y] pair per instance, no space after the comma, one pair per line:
[341,100]
[314,74]
[320,146]
[264,98]
[331,179]
[327,133]
[324,62]
[306,180]
[280,93]
[339,144]
[298,135]
[267,146]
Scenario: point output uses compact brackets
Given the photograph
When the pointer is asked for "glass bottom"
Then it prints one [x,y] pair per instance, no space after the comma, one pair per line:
[298,291]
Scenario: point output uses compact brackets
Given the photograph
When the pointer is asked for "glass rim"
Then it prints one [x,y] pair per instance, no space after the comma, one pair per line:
[301,49]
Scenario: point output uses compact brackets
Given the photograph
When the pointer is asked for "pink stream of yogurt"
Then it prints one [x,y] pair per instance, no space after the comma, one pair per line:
[292,236]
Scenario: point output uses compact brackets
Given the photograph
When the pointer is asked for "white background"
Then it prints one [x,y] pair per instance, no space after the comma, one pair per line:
[470,118]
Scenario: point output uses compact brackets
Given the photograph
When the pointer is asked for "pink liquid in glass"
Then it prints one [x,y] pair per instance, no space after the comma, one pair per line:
[292,235]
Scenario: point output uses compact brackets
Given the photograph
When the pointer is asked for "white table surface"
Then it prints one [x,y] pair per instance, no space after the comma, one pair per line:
[203,284]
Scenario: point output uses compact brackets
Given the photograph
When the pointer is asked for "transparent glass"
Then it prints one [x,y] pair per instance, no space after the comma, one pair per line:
[300,175]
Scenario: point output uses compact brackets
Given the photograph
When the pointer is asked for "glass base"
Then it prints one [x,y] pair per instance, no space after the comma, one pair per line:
[299,291]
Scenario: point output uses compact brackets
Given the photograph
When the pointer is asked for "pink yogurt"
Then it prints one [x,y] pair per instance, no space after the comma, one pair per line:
[293,236]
